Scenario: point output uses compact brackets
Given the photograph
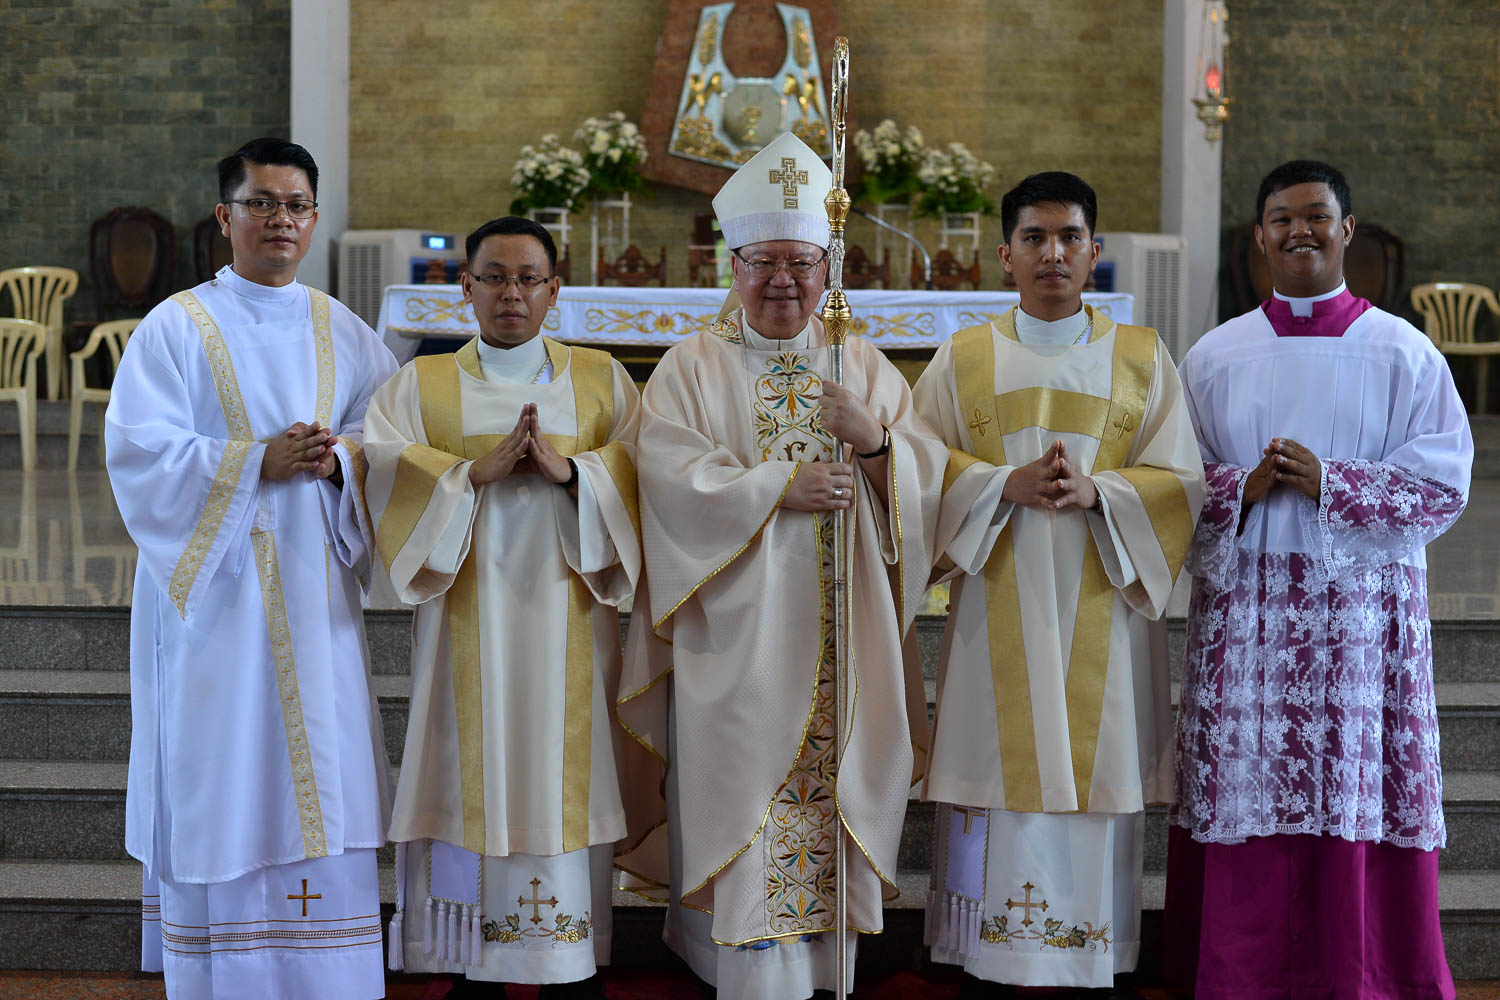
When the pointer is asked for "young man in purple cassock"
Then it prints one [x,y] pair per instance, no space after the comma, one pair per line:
[1303,849]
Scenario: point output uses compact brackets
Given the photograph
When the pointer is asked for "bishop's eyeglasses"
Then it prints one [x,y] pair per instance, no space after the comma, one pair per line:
[266,208]
[765,267]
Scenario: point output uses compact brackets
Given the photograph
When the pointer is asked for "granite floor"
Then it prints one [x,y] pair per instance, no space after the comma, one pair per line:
[62,543]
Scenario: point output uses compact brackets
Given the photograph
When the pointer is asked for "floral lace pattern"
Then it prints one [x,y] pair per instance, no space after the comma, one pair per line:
[1307,699]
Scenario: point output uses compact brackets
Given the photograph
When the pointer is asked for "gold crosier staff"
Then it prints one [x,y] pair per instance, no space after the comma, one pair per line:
[836,322]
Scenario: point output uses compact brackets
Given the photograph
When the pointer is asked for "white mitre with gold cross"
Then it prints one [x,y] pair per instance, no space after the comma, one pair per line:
[777,195]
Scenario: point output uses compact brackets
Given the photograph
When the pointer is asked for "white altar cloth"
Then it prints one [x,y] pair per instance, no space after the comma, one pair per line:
[611,316]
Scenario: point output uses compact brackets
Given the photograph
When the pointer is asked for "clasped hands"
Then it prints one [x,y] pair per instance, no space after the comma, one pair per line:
[1052,483]
[299,448]
[821,486]
[1287,462]
[524,451]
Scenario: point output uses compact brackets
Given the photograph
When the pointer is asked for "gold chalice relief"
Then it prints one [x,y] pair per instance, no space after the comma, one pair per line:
[753,109]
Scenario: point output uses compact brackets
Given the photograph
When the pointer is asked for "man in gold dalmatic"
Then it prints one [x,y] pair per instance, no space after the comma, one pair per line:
[1068,505]
[740,477]
[502,487]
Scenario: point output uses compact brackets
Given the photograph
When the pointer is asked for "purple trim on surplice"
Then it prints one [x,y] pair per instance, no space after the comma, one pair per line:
[1330,318]
[1284,917]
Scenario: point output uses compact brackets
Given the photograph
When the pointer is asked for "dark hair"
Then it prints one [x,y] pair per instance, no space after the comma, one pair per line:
[267,151]
[512,225]
[1303,172]
[1052,186]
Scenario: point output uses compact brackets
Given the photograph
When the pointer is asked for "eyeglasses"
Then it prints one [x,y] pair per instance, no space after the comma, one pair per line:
[266,208]
[530,282]
[765,267]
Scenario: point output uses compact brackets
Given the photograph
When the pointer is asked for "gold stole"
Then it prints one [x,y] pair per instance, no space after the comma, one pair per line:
[442,417]
[278,628]
[1114,422]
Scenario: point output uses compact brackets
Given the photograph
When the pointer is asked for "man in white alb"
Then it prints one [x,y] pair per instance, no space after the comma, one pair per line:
[1068,504]
[259,785]
[502,487]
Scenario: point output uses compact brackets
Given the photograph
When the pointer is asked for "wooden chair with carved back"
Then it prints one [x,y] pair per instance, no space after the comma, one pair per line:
[633,270]
[211,249]
[948,274]
[862,272]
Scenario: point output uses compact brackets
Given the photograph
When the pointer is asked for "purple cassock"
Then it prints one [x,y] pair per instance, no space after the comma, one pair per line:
[1302,858]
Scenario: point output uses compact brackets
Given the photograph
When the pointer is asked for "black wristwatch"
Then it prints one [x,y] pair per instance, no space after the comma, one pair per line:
[885,445]
[572,477]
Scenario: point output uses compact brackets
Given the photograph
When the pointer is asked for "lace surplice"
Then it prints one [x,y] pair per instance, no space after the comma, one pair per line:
[1307,700]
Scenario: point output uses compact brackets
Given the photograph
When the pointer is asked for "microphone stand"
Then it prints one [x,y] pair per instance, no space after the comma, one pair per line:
[926,257]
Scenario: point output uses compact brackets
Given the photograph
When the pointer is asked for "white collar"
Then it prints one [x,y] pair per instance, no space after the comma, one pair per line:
[1304,307]
[283,295]
[1050,333]
[756,342]
[513,365]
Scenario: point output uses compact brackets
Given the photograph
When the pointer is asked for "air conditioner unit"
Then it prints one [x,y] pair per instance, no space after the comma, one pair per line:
[1153,267]
[371,259]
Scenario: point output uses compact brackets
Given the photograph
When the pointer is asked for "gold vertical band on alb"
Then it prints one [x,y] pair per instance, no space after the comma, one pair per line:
[836,321]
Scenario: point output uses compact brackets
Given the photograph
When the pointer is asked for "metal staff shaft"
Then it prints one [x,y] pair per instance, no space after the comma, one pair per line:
[836,321]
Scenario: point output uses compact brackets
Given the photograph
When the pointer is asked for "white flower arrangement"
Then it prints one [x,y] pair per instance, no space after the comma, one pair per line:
[891,156]
[548,175]
[613,149]
[954,180]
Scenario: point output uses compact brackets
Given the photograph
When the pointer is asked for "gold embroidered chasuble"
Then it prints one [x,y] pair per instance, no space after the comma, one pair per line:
[260,579]
[738,604]
[516,645]
[1053,691]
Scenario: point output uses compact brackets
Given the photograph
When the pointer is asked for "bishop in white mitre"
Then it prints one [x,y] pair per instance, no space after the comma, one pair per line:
[1068,506]
[259,786]
[502,485]
[740,478]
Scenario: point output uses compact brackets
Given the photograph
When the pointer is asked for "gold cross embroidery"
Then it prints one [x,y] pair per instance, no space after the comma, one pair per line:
[1026,905]
[789,177]
[980,421]
[968,815]
[536,902]
[1124,424]
[305,897]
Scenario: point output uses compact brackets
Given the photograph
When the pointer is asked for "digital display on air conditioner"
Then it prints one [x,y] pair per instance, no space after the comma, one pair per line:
[436,241]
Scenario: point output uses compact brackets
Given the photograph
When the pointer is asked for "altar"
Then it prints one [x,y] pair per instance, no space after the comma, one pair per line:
[650,320]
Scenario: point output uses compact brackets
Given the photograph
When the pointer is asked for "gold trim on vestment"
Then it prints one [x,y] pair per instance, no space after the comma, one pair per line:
[279,631]
[737,553]
[359,467]
[221,364]
[578,717]
[1115,423]
[958,463]
[418,468]
[1166,503]
[220,492]
[1057,410]
[622,472]
[323,348]
[620,701]
[465,658]
[1088,667]
[467,358]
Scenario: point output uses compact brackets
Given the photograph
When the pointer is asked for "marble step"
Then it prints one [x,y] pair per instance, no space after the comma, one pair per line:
[75,809]
[85,715]
[86,915]
[84,638]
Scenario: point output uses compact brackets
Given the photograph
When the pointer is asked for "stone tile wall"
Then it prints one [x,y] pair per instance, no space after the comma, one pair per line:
[1403,98]
[112,104]
[440,105]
